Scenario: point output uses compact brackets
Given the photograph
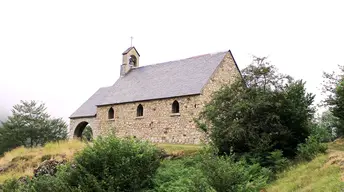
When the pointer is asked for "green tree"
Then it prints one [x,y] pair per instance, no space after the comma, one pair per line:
[325,126]
[271,111]
[333,91]
[30,125]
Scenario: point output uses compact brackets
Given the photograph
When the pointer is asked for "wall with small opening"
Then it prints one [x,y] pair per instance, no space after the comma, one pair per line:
[158,123]
[77,125]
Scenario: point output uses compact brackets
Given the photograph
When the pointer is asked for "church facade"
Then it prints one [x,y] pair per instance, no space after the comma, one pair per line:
[156,102]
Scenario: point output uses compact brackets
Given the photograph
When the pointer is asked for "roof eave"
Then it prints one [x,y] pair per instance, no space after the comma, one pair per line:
[236,65]
[82,116]
[194,94]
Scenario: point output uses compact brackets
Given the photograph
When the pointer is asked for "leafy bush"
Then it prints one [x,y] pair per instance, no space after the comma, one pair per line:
[327,127]
[48,183]
[181,175]
[321,133]
[309,149]
[36,184]
[226,175]
[11,185]
[277,162]
[113,164]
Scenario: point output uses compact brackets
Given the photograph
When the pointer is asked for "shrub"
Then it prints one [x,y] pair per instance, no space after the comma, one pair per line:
[36,184]
[224,174]
[113,164]
[276,162]
[321,134]
[309,149]
[181,175]
[48,183]
[11,185]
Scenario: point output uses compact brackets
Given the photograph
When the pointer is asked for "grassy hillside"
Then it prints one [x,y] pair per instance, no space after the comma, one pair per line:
[324,173]
[22,161]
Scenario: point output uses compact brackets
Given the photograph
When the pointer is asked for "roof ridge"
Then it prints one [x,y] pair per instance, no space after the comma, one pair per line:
[202,55]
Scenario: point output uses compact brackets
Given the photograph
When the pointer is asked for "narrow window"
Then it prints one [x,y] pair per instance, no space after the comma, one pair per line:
[175,107]
[139,112]
[111,113]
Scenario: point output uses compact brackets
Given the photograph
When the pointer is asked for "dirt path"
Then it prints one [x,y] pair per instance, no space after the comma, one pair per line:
[336,155]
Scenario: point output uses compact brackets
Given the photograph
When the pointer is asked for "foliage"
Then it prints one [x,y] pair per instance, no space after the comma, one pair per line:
[321,132]
[225,174]
[277,162]
[271,112]
[333,90]
[36,184]
[87,134]
[208,172]
[47,183]
[30,158]
[181,175]
[109,164]
[311,148]
[112,164]
[30,125]
[11,185]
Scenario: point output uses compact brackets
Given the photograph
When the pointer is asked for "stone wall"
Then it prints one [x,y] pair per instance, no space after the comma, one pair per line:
[226,73]
[158,123]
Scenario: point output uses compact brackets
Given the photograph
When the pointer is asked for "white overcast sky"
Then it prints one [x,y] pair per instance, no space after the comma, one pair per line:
[61,52]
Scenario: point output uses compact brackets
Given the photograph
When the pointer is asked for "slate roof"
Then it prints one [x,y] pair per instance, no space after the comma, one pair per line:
[163,80]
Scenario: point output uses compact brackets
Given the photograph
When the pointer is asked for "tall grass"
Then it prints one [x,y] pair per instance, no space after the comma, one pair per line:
[309,176]
[22,161]
[184,149]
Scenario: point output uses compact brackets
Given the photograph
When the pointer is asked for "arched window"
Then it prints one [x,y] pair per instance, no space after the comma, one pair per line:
[139,112]
[175,107]
[111,113]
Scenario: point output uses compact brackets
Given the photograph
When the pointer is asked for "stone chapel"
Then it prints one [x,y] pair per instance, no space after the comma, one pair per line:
[156,102]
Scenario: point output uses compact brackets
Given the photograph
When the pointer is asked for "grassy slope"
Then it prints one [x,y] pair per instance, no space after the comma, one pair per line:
[324,173]
[22,161]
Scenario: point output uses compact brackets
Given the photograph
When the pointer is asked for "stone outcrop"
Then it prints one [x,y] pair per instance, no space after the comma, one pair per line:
[48,167]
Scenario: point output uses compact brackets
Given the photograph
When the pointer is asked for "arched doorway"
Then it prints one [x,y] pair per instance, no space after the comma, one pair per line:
[83,131]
